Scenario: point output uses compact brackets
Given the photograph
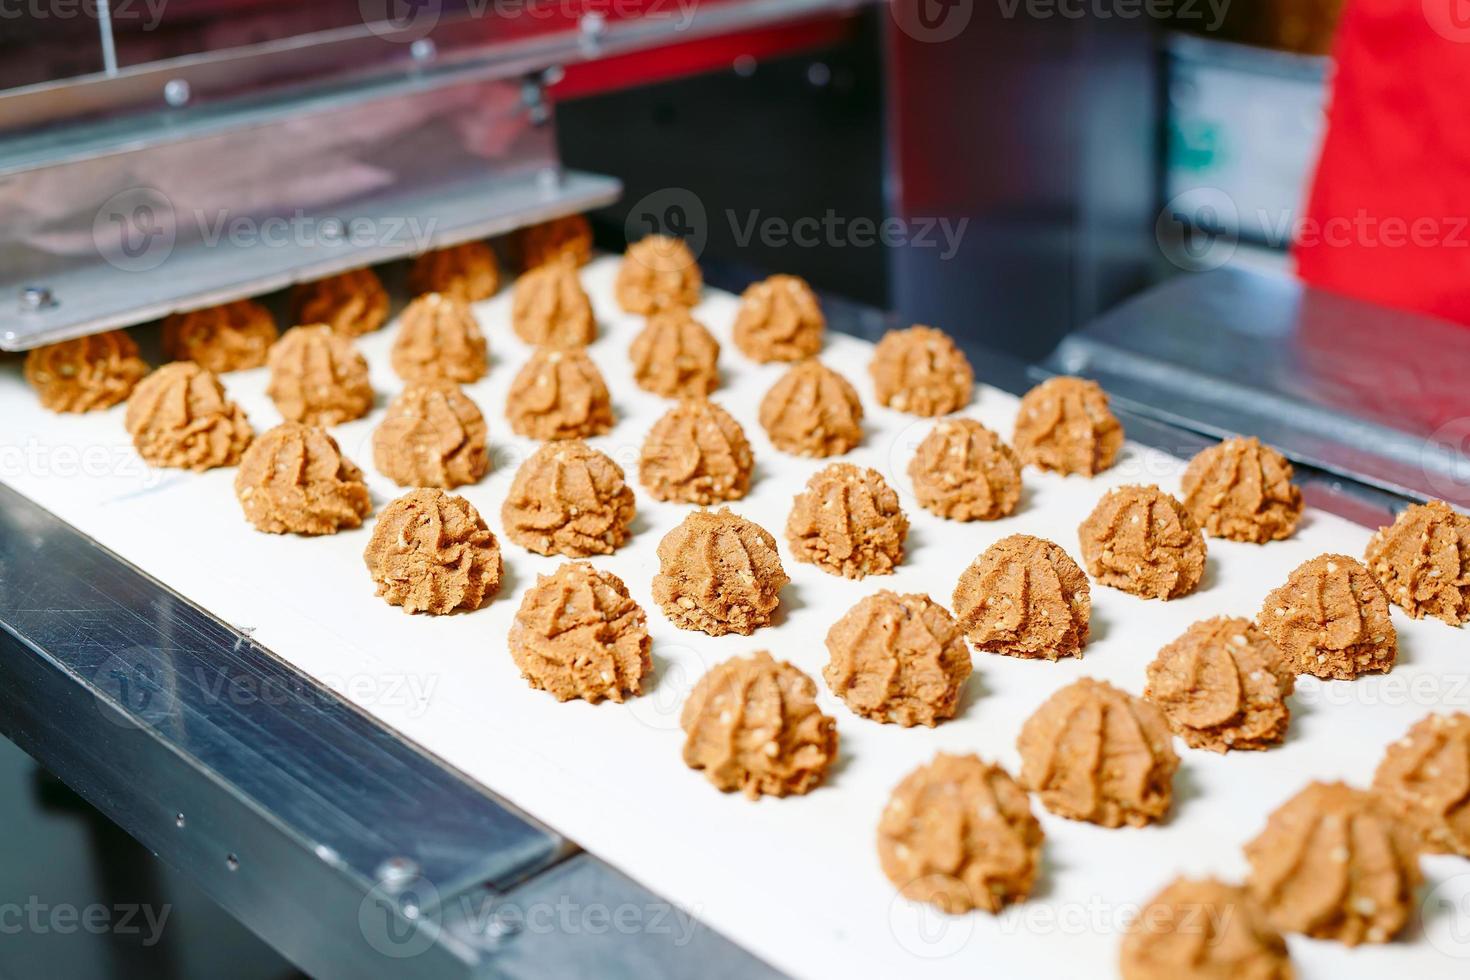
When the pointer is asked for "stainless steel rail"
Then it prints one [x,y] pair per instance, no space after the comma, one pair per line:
[346,848]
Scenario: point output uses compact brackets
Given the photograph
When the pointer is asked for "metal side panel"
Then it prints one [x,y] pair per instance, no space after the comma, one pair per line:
[314,825]
[111,241]
[1367,393]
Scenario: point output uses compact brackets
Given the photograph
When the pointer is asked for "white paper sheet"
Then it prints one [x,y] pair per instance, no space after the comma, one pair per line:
[796,880]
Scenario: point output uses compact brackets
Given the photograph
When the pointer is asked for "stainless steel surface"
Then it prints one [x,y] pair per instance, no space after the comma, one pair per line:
[499,41]
[1360,391]
[350,851]
[202,744]
[128,237]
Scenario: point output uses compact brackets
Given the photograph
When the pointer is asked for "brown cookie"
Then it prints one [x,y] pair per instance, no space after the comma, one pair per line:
[432,552]
[433,435]
[86,374]
[898,659]
[549,308]
[351,303]
[719,573]
[1242,490]
[318,377]
[1331,619]
[1422,561]
[1424,779]
[675,356]
[180,416]
[658,273]
[559,394]
[1064,424]
[1203,929]
[921,371]
[779,319]
[752,724]
[959,833]
[1223,685]
[964,472]
[439,339]
[811,410]
[569,236]
[294,479]
[467,272]
[1025,597]
[578,634]
[1096,753]
[568,499]
[696,454]
[1333,863]
[847,521]
[230,337]
[1143,541]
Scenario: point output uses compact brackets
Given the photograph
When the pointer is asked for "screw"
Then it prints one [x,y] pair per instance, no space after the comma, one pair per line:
[177,92]
[37,298]
[423,49]
[593,26]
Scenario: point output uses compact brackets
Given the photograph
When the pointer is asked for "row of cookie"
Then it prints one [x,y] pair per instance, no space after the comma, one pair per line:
[1333,862]
[1091,752]
[100,371]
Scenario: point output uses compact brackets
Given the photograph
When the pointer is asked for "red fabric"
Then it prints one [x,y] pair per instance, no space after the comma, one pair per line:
[1388,217]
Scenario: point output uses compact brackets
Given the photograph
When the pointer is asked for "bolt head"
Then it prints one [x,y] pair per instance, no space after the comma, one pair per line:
[177,92]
